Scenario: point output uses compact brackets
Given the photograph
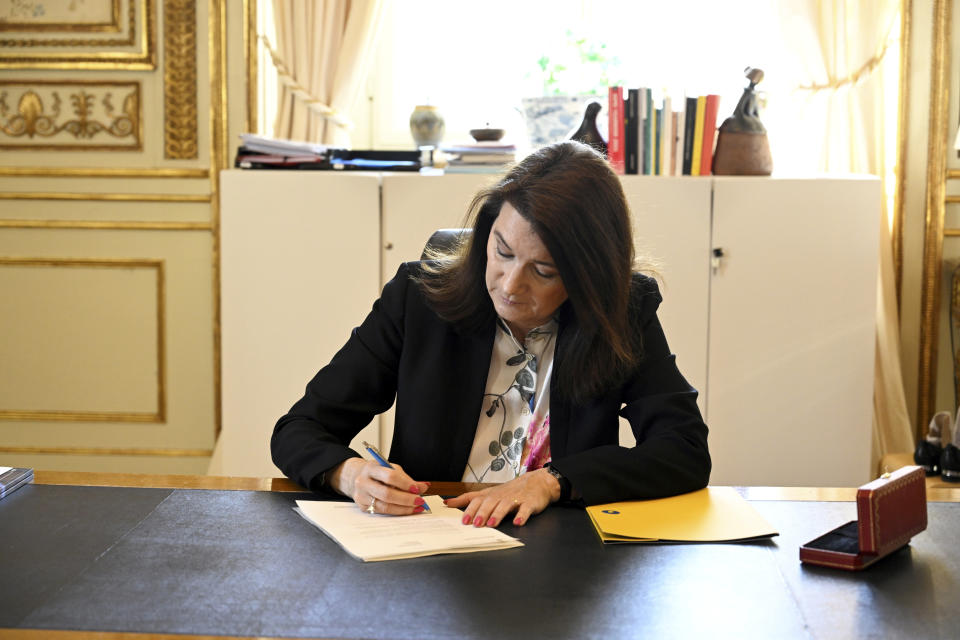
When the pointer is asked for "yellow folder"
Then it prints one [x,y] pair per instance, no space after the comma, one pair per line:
[714,514]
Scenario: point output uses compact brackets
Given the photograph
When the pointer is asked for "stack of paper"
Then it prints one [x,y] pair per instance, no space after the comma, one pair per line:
[282,147]
[12,479]
[478,157]
[714,514]
[373,537]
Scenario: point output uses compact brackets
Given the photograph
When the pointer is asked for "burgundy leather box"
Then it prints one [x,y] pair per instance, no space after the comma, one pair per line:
[890,510]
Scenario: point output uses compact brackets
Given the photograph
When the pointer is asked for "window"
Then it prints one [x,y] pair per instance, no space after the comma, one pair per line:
[476,60]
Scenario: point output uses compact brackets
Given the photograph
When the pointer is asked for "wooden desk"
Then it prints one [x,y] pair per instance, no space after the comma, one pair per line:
[117,557]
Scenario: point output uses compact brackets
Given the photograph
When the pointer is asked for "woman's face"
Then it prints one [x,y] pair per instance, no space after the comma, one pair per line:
[522,279]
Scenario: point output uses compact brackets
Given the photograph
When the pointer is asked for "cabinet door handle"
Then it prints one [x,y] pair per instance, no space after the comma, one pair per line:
[715,258]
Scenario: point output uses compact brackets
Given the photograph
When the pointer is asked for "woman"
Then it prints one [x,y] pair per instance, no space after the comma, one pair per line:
[510,362]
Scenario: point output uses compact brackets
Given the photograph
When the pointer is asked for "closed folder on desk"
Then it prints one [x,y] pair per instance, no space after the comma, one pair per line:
[714,514]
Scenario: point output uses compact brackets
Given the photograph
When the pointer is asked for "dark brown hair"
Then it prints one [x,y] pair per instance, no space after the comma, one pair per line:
[576,206]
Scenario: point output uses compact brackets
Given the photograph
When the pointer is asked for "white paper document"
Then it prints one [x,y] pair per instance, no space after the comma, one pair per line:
[373,537]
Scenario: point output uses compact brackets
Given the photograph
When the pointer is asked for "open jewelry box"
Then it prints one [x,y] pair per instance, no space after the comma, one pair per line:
[890,511]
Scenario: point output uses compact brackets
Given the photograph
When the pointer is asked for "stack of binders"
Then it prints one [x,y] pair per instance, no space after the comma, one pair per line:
[12,479]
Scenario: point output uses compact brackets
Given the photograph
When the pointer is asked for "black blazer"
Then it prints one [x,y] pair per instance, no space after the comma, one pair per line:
[437,374]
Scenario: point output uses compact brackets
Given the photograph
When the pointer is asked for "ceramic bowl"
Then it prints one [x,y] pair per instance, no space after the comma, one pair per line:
[483,135]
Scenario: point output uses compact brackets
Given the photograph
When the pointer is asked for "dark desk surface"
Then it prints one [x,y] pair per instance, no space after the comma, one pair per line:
[167,559]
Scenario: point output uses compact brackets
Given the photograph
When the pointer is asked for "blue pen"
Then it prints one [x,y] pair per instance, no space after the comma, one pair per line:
[372,450]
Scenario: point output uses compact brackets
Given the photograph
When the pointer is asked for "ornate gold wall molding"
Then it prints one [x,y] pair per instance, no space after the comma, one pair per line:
[36,46]
[106,197]
[109,451]
[22,15]
[74,115]
[104,416]
[180,79]
[101,172]
[219,154]
[250,57]
[935,210]
[102,225]
[903,120]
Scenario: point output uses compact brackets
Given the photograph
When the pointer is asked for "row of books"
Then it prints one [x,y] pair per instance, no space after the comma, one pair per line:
[655,136]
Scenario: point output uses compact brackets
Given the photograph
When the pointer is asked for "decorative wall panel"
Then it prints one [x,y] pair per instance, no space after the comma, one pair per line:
[180,79]
[87,84]
[91,34]
[84,338]
[87,115]
[84,16]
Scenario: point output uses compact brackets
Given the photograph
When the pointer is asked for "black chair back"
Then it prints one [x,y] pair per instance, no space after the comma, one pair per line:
[445,240]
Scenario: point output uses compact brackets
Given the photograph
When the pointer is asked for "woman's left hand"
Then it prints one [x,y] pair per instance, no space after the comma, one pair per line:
[527,495]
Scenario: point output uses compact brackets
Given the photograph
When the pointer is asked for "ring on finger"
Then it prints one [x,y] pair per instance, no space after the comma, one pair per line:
[373,506]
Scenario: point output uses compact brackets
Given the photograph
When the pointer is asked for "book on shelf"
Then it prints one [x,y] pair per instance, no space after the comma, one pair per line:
[485,147]
[666,137]
[615,134]
[480,157]
[657,131]
[689,123]
[697,137]
[12,478]
[631,126]
[675,130]
[711,105]
[649,132]
[642,113]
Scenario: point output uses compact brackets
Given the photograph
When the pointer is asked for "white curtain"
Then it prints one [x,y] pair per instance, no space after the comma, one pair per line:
[322,51]
[841,116]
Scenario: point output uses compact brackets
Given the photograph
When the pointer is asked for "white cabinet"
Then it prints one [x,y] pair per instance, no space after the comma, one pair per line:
[778,336]
[414,206]
[300,267]
[792,330]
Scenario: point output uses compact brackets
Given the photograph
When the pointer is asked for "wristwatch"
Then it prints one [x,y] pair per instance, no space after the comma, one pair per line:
[564,483]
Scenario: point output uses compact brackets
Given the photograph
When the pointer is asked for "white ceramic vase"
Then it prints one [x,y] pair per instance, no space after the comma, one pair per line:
[426,125]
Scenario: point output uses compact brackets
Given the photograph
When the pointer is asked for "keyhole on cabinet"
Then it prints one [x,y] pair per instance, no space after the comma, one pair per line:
[715,258]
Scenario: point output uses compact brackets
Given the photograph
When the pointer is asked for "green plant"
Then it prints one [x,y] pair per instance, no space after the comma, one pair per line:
[582,66]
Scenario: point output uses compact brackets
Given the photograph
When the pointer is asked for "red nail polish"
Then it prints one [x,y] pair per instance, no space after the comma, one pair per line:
[466,519]
[414,489]
[518,521]
[418,510]
[477,521]
[492,522]
[418,502]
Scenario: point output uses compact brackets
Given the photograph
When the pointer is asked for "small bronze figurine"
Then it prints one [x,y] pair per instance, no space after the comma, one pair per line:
[742,146]
[587,132]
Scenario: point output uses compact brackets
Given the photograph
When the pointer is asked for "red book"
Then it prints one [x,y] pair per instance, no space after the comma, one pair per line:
[709,133]
[615,132]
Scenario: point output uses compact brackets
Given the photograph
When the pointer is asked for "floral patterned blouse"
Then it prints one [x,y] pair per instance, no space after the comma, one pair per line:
[513,432]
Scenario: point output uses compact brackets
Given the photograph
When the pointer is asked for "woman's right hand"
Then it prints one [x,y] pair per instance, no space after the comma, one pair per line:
[389,490]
